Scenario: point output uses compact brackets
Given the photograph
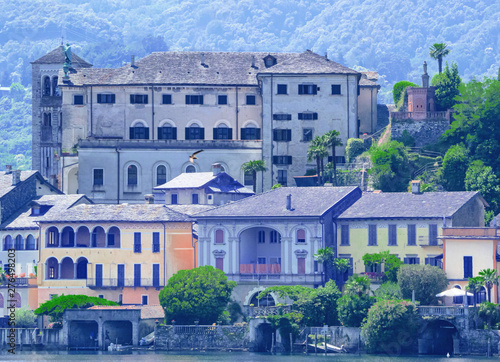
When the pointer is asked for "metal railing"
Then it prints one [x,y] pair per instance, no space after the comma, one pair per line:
[18,282]
[125,282]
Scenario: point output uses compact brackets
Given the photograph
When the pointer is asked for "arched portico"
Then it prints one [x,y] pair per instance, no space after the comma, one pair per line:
[260,251]
[67,268]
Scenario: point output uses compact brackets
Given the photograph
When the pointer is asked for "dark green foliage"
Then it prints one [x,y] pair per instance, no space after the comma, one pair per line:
[25,318]
[197,294]
[398,88]
[388,290]
[455,163]
[17,92]
[391,327]
[391,172]
[447,85]
[481,178]
[489,314]
[353,309]
[56,306]
[235,312]
[355,147]
[286,323]
[406,139]
[390,262]
[425,280]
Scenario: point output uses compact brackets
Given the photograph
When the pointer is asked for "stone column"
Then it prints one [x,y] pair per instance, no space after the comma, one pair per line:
[99,333]
[46,267]
[208,242]
[74,270]
[135,333]
[74,239]
[236,255]
[60,240]
[59,271]
[290,257]
[230,242]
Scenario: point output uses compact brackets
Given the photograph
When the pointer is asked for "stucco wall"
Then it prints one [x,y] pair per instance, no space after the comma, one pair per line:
[367,109]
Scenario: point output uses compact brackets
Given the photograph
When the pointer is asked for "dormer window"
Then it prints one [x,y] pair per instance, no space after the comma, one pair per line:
[35,210]
[269,61]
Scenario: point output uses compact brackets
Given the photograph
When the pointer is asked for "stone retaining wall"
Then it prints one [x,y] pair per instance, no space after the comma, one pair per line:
[424,131]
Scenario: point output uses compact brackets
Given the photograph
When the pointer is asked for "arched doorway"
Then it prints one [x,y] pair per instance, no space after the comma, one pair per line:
[68,237]
[438,338]
[67,269]
[98,237]
[81,268]
[83,334]
[72,181]
[83,237]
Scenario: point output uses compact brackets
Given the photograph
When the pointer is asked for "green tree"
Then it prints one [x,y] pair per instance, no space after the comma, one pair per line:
[489,315]
[391,168]
[197,294]
[399,87]
[354,148]
[438,51]
[358,285]
[254,167]
[447,87]
[425,280]
[353,309]
[55,307]
[287,324]
[25,318]
[17,92]
[388,290]
[481,178]
[341,265]
[455,163]
[391,327]
[332,139]
[490,278]
[317,151]
[325,256]
[474,286]
[390,262]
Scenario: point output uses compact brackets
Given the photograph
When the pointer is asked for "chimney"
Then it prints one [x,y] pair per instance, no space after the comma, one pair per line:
[216,169]
[415,187]
[16,177]
[289,202]
[132,61]
[149,199]
[253,61]
[326,55]
[8,169]
[202,58]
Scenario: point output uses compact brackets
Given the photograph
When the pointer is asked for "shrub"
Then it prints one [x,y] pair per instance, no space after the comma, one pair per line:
[489,314]
[425,280]
[353,309]
[398,89]
[391,327]
[25,318]
[354,148]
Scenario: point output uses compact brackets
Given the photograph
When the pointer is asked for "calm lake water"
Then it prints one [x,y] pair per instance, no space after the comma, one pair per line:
[214,356]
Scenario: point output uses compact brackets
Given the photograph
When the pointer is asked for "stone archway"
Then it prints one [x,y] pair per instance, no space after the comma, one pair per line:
[438,337]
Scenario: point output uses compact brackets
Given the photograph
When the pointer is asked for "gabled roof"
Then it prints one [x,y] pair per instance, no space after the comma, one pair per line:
[305,202]
[408,205]
[56,56]
[117,213]
[6,181]
[222,182]
[57,204]
[205,68]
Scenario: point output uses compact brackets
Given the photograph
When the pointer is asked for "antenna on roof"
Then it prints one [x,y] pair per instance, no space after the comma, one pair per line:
[326,55]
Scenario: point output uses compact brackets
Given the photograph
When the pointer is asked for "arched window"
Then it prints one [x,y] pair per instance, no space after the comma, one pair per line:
[55,88]
[250,132]
[114,237]
[139,132]
[481,295]
[81,268]
[1,300]
[52,238]
[98,237]
[46,86]
[161,175]
[8,243]
[194,132]
[132,175]
[67,269]
[52,268]
[30,243]
[190,169]
[19,243]
[223,132]
[167,132]
[301,236]
[17,299]
[219,236]
[47,120]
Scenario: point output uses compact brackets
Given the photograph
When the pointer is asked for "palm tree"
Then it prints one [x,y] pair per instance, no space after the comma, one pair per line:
[341,265]
[325,256]
[254,167]
[474,286]
[357,285]
[317,150]
[438,51]
[332,139]
[490,278]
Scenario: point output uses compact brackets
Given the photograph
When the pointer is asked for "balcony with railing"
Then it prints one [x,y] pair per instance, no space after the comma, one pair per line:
[125,282]
[260,271]
[375,278]
[443,311]
[421,115]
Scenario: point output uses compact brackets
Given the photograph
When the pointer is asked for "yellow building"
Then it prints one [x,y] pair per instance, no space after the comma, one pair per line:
[124,253]
[466,251]
[408,225]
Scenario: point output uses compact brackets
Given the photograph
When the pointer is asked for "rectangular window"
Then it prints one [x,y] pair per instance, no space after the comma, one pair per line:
[166,99]
[431,260]
[412,234]
[393,235]
[137,275]
[468,267]
[344,234]
[282,177]
[98,177]
[137,242]
[173,199]
[222,99]
[144,300]
[156,275]
[372,235]
[248,179]
[156,242]
[194,133]
[167,133]
[282,135]
[282,160]
[282,117]
[262,237]
[219,263]
[101,296]
[250,100]
[223,133]
[301,265]
[282,89]
[194,199]
[307,134]
[250,133]
[308,116]
[105,98]
[77,99]
[308,89]
[139,133]
[412,260]
[433,234]
[275,237]
[138,99]
[194,99]
[336,89]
